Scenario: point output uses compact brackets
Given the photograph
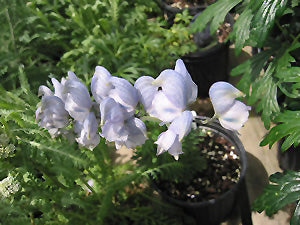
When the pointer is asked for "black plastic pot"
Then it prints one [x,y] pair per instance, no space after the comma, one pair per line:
[217,210]
[290,159]
[208,66]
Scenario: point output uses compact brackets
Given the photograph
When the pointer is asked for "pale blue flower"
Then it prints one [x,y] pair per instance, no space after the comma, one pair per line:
[51,114]
[171,139]
[77,98]
[112,111]
[101,84]
[87,130]
[231,113]
[119,126]
[167,96]
[191,87]
[104,85]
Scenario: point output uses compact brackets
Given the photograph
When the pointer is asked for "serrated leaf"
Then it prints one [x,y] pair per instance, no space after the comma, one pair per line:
[284,189]
[265,18]
[288,124]
[215,13]
[265,93]
[241,30]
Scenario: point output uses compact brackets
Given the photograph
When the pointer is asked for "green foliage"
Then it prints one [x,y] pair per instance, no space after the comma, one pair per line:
[48,36]
[284,189]
[287,126]
[51,176]
[270,78]
[215,13]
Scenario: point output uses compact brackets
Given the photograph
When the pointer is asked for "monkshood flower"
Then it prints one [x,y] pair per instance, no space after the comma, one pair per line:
[167,96]
[104,85]
[231,113]
[88,132]
[76,98]
[119,126]
[171,140]
[51,114]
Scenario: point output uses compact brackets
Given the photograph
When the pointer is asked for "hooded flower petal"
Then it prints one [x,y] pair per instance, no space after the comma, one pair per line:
[44,91]
[235,117]
[77,101]
[146,90]
[181,125]
[222,96]
[114,132]
[88,134]
[51,115]
[112,111]
[191,87]
[59,88]
[137,133]
[101,83]
[124,93]
[169,141]
[231,113]
[173,86]
[163,109]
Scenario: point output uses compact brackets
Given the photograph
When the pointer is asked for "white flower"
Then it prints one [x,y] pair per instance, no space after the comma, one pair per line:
[231,113]
[167,96]
[9,186]
[170,140]
[88,132]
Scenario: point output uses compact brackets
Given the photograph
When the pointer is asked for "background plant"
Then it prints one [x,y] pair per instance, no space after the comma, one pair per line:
[270,78]
[49,36]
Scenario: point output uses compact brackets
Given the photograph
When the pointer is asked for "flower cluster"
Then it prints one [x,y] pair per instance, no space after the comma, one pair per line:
[9,186]
[165,98]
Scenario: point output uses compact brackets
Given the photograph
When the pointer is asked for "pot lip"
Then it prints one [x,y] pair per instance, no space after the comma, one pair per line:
[234,139]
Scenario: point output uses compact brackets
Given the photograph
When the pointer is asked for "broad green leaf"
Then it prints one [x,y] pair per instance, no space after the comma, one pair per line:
[214,13]
[283,189]
[287,125]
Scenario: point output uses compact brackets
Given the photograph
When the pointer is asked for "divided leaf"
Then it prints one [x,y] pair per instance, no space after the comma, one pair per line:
[288,125]
[215,13]
[284,189]
[264,19]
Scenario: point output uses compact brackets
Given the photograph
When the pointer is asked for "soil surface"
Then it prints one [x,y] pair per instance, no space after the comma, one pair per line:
[222,172]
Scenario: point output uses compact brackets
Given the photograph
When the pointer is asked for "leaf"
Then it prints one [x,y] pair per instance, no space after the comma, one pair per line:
[264,19]
[288,125]
[295,220]
[265,94]
[251,69]
[284,189]
[215,13]
[241,30]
